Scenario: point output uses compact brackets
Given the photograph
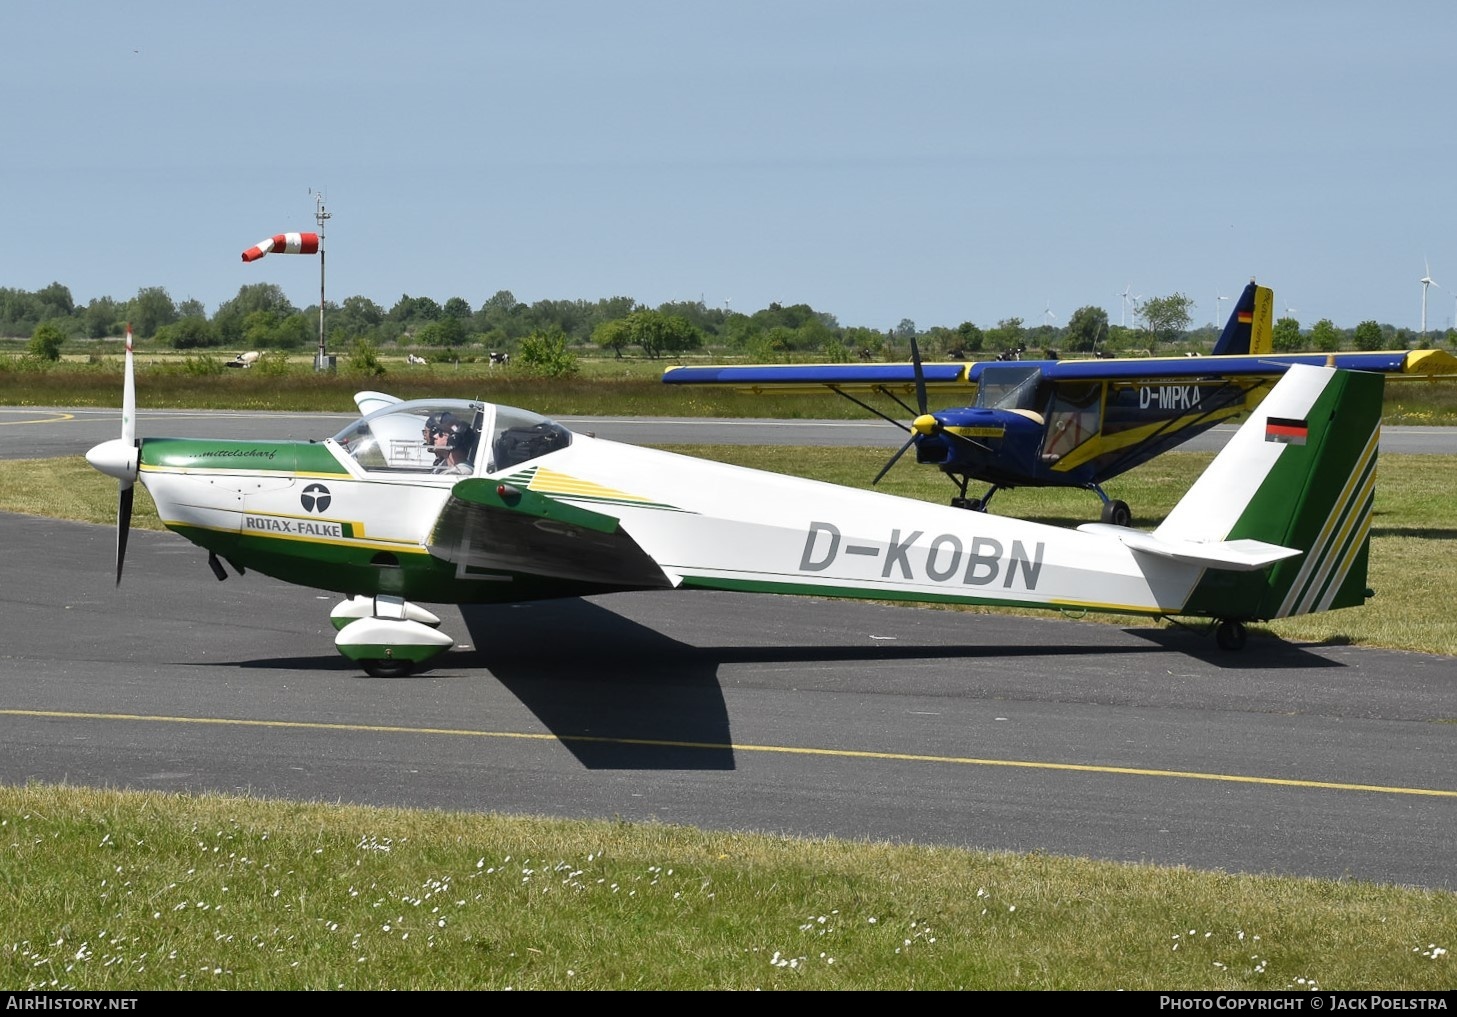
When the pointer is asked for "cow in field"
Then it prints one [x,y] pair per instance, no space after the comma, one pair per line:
[500,359]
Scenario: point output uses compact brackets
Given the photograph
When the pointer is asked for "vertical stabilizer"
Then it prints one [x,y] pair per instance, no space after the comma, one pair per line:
[1251,324]
[1299,473]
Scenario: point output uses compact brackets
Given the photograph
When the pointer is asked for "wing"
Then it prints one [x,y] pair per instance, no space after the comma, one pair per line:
[818,377]
[756,378]
[1270,366]
[490,526]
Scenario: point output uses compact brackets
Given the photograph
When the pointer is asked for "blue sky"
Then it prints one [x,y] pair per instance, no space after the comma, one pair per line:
[934,161]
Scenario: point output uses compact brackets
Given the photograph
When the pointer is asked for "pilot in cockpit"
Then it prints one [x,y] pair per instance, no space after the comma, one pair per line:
[453,445]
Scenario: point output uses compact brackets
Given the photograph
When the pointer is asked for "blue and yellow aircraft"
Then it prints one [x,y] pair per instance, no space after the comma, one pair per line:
[1069,423]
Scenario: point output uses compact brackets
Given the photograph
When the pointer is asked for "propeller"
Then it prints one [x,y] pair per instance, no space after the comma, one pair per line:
[118,457]
[924,422]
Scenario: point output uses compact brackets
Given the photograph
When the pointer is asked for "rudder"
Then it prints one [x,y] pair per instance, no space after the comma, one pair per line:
[1302,474]
[1250,329]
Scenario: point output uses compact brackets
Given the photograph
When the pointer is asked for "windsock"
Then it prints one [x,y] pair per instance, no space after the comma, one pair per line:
[284,243]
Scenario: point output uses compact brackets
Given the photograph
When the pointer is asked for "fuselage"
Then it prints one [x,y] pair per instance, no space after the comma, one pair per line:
[356,515]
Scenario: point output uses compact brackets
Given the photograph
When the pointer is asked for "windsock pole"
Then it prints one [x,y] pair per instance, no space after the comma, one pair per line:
[320,217]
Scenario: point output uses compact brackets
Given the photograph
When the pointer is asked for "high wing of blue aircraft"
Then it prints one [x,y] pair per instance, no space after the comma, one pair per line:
[516,507]
[1066,423]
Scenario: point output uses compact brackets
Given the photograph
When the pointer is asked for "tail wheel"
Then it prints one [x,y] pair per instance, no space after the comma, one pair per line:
[1231,635]
[387,668]
[1117,513]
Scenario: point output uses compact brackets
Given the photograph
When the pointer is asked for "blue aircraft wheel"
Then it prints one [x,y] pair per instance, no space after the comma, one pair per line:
[1117,513]
[387,668]
[1231,635]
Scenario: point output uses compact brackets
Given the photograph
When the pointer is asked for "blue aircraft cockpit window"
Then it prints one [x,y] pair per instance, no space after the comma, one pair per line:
[422,436]
[519,435]
[1009,388]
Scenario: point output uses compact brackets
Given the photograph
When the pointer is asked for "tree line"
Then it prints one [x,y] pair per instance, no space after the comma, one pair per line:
[260,317]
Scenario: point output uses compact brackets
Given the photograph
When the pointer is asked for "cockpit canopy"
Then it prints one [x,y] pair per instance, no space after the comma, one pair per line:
[1011,387]
[450,435]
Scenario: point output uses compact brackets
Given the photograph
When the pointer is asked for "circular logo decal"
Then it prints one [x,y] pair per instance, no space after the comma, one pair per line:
[315,498]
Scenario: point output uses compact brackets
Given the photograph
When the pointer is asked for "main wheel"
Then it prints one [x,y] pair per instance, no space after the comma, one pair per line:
[387,668]
[1231,635]
[1117,513]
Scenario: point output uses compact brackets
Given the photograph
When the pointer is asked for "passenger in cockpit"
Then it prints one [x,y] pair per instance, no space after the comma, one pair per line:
[437,437]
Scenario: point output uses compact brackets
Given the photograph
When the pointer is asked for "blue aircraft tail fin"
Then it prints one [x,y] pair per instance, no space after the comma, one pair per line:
[1251,324]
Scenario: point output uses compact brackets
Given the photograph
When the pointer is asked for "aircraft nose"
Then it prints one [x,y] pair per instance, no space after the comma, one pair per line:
[926,423]
[115,458]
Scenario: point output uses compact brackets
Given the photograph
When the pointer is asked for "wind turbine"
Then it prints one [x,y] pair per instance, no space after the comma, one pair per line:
[1218,308]
[1129,300]
[1048,313]
[1427,281]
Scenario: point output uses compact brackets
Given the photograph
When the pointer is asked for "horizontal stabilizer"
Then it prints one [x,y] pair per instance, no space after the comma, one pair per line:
[1229,555]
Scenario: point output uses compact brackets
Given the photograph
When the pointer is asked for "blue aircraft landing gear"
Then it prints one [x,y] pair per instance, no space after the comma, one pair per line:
[1114,511]
[1117,513]
[973,504]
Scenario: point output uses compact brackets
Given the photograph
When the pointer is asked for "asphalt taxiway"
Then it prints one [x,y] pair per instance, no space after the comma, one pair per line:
[791,716]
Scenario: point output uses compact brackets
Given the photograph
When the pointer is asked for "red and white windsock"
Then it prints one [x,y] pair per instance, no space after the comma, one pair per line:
[284,243]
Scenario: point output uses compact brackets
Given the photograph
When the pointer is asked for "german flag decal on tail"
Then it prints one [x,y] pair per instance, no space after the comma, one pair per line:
[1291,432]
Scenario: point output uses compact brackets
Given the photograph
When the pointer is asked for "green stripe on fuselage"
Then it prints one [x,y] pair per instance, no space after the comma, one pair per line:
[301,458]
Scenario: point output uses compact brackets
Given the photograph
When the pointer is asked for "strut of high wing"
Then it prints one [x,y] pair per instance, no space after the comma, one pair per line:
[1066,423]
[515,507]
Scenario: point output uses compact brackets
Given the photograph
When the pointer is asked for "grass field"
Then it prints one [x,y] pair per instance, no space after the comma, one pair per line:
[101,890]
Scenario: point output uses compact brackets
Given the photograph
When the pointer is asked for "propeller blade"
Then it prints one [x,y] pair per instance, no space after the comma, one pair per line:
[920,377]
[920,407]
[129,394]
[895,458]
[123,524]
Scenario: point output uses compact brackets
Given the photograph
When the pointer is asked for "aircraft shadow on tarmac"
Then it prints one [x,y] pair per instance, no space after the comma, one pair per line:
[620,695]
